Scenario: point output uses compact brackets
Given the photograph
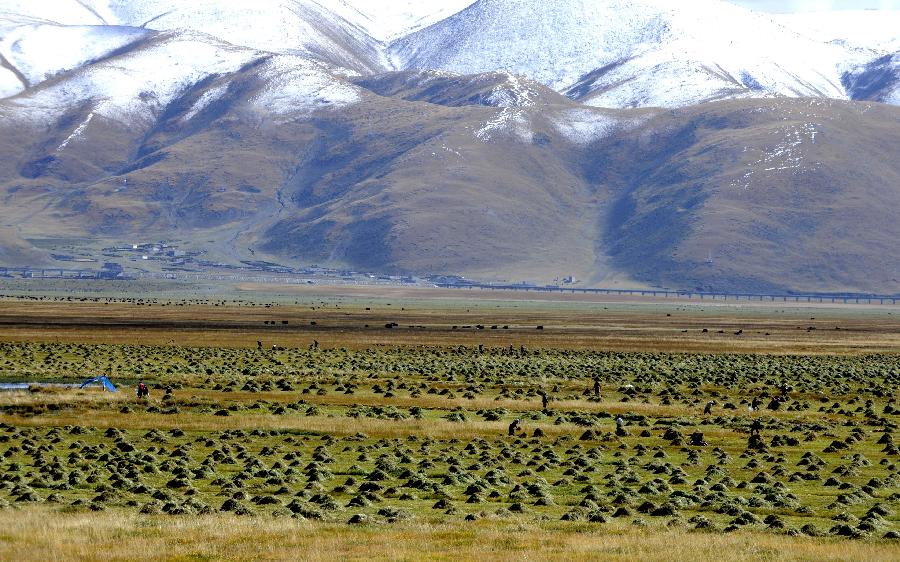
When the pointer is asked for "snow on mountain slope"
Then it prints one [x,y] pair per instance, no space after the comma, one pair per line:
[605,53]
[386,20]
[264,24]
[139,85]
[872,71]
[66,12]
[620,53]
[278,26]
[877,30]
[878,80]
[583,126]
[41,39]
[20,18]
[552,43]
[892,92]
[132,86]
[10,84]
[298,86]
[39,51]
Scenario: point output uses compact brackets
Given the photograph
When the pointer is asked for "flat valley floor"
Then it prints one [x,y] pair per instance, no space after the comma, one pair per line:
[353,423]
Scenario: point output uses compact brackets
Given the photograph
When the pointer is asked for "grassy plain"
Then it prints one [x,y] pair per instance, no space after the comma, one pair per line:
[355,317]
[121,535]
[354,440]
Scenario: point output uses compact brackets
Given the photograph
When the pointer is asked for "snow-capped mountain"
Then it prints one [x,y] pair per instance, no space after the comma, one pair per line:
[878,80]
[387,20]
[293,26]
[37,52]
[607,53]
[67,12]
[873,39]
[876,30]
[143,82]
[627,53]
[511,138]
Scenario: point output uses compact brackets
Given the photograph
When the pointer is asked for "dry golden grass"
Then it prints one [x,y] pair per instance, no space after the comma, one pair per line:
[100,409]
[338,426]
[97,396]
[38,534]
[85,411]
[64,395]
[441,403]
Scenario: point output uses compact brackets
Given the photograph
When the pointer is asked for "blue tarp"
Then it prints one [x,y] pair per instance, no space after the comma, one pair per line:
[107,384]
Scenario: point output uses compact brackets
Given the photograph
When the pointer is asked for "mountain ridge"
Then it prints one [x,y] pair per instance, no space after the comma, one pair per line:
[322,154]
[613,53]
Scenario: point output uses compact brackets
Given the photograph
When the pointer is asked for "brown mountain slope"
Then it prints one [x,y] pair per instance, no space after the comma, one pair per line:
[758,196]
[488,176]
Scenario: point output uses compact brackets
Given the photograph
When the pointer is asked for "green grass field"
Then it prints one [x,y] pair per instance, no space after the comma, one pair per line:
[401,451]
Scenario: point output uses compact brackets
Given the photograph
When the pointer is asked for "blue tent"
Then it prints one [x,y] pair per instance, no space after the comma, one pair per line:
[107,384]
